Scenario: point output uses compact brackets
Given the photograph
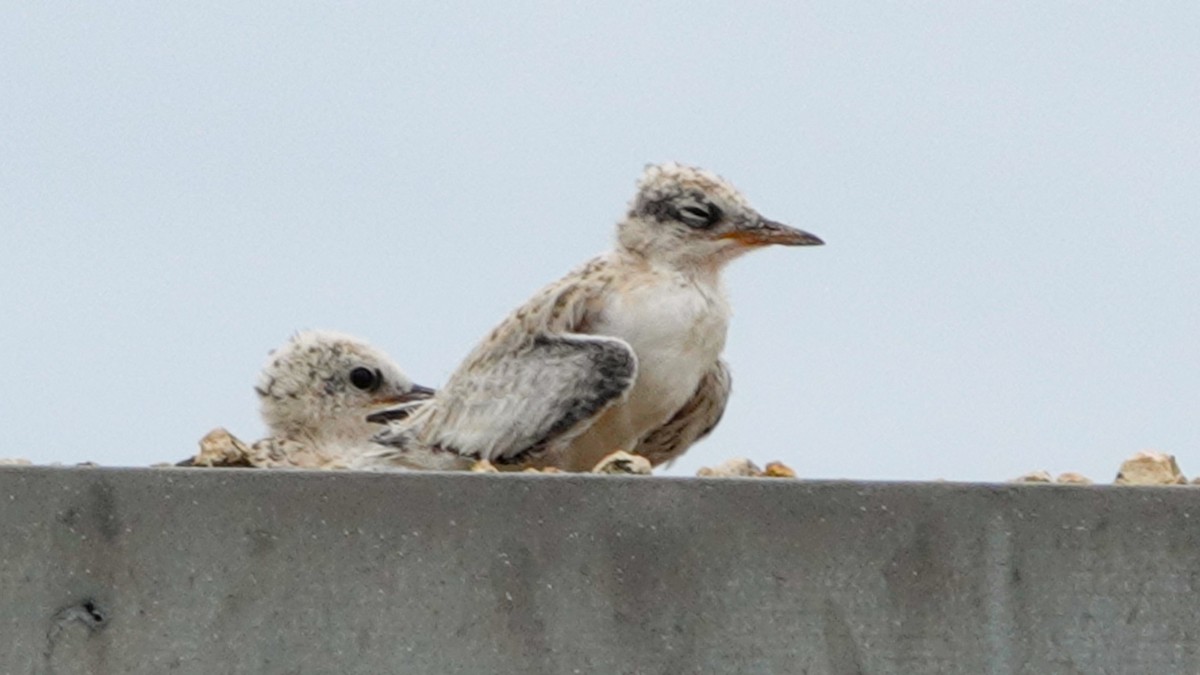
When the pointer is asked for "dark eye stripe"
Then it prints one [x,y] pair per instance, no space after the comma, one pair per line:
[698,216]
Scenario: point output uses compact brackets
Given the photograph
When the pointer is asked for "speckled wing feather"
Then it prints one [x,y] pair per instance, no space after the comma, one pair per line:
[537,381]
[695,420]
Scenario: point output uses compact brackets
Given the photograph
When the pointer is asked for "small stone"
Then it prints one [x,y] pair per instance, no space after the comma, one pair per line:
[221,448]
[484,466]
[621,462]
[1150,468]
[1072,478]
[778,470]
[1034,477]
[733,468]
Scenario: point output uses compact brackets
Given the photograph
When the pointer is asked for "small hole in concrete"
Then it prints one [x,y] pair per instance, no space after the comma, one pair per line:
[97,615]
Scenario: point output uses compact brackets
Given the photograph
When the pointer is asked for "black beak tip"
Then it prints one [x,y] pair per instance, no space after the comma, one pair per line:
[385,416]
[419,393]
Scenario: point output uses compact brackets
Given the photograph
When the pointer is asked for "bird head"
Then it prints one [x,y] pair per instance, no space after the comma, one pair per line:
[323,385]
[687,215]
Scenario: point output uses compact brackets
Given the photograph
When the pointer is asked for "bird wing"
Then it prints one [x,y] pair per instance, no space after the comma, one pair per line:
[538,379]
[695,420]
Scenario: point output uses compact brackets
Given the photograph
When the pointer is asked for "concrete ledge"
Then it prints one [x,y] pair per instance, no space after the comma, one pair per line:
[240,571]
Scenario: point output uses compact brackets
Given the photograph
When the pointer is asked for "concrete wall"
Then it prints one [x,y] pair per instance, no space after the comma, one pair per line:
[240,571]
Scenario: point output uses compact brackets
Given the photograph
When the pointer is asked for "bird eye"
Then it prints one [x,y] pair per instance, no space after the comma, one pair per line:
[699,217]
[366,379]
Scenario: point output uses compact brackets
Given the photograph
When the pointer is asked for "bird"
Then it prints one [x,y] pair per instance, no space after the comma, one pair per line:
[622,354]
[315,393]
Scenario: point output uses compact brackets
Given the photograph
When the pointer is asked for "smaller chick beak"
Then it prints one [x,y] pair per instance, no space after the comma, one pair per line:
[390,414]
[417,393]
[399,406]
[765,232]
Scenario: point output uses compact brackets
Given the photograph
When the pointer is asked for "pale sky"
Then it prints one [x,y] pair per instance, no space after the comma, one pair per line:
[1009,192]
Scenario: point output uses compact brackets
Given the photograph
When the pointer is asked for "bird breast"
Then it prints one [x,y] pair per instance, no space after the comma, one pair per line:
[676,326]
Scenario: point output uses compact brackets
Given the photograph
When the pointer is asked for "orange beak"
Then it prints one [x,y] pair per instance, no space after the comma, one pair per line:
[767,232]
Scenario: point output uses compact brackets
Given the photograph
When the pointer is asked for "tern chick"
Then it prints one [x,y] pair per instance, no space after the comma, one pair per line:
[315,394]
[621,354]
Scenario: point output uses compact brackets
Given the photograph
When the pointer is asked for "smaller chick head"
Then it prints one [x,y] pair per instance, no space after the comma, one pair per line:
[324,384]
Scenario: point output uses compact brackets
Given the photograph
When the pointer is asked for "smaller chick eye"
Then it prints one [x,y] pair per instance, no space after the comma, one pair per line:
[696,211]
[366,379]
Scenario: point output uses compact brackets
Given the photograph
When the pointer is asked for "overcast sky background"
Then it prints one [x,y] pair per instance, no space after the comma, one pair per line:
[1009,192]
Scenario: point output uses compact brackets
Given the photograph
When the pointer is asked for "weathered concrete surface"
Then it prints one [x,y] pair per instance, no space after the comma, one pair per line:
[240,571]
